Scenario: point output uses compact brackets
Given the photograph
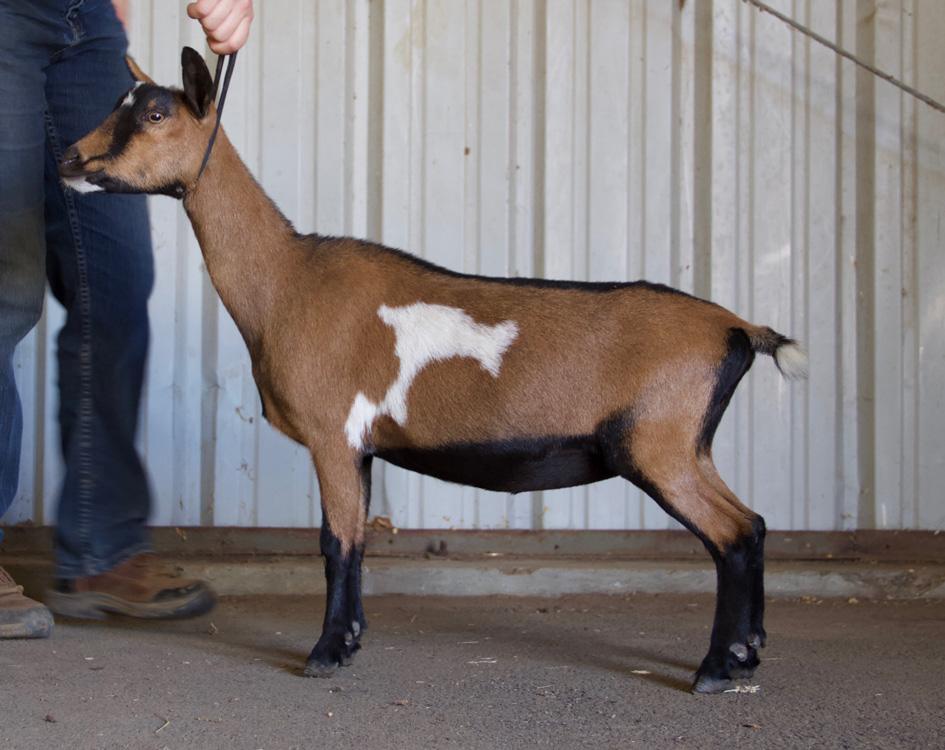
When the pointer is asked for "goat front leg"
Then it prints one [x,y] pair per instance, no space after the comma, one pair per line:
[345,492]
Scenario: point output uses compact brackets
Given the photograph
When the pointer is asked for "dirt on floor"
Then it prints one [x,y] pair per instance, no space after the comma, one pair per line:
[492,672]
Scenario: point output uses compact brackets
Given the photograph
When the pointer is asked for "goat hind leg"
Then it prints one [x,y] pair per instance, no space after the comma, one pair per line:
[736,633]
[757,638]
[728,532]
[356,611]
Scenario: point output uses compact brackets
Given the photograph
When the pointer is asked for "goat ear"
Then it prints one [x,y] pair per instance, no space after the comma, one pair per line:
[136,72]
[198,84]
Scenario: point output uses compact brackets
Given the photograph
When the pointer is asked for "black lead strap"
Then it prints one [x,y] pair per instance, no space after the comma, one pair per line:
[216,77]
[226,85]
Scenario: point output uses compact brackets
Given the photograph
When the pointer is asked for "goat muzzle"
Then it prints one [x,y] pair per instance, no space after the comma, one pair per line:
[71,164]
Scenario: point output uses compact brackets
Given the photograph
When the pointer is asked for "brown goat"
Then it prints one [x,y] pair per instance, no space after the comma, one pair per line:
[360,351]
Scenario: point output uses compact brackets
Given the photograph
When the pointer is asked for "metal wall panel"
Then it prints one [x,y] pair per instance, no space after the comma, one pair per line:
[700,144]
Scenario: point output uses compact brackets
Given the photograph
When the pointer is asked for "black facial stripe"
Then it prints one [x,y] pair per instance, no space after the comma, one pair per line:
[125,127]
[147,97]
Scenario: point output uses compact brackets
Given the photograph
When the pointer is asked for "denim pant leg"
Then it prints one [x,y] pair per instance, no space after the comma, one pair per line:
[100,267]
[22,245]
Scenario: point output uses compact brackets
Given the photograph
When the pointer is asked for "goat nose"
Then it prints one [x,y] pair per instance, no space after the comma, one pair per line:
[71,156]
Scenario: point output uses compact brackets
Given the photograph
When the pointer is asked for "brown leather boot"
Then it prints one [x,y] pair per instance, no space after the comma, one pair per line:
[20,616]
[141,587]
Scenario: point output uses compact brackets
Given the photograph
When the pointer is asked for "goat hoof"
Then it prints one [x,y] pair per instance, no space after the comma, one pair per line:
[331,651]
[758,640]
[348,656]
[743,672]
[720,667]
[315,669]
[707,684]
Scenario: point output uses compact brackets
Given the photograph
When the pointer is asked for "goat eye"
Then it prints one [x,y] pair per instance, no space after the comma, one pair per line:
[155,117]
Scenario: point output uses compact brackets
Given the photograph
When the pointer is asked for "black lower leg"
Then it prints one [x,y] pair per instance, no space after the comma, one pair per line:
[359,623]
[356,608]
[757,638]
[343,613]
[736,632]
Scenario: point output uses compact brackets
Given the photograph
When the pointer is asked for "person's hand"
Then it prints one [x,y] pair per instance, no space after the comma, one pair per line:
[121,10]
[225,22]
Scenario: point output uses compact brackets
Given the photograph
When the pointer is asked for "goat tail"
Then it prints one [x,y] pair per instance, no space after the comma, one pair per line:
[790,357]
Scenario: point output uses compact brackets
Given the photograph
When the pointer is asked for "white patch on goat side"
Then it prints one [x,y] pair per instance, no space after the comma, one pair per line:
[80,185]
[360,418]
[427,333]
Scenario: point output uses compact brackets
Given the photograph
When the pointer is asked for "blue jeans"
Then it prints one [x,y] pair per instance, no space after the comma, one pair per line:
[62,70]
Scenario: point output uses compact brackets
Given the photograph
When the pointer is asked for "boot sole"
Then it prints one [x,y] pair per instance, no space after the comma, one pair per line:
[95,606]
[39,624]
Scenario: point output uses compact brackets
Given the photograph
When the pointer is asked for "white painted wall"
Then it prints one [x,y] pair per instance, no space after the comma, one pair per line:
[707,147]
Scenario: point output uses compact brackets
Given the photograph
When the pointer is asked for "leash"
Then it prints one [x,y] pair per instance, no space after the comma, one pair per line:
[226,86]
[843,53]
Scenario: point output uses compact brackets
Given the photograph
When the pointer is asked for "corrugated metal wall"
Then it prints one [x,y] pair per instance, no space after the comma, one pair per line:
[699,143]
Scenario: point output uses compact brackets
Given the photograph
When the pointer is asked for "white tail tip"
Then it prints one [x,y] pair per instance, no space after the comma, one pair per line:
[791,359]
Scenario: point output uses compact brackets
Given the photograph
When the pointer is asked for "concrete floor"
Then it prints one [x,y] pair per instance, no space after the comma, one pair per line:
[584,670]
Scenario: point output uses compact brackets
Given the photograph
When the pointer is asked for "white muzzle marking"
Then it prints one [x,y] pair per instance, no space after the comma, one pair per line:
[81,185]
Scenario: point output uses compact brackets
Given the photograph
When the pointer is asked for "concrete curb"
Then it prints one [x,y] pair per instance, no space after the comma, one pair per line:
[239,575]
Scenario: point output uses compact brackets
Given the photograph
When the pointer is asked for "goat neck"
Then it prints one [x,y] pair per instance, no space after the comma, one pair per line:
[250,248]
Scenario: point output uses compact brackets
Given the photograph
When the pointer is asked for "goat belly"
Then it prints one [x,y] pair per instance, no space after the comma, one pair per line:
[509,466]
